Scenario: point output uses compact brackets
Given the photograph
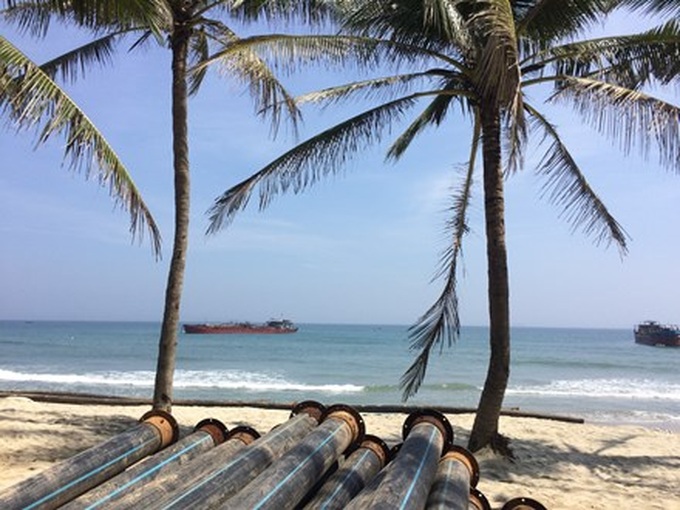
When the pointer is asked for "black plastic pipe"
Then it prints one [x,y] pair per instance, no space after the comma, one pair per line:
[408,478]
[207,434]
[226,478]
[72,477]
[284,484]
[152,494]
[457,472]
[360,467]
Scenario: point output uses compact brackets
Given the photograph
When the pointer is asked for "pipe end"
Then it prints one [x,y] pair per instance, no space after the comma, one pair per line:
[310,407]
[523,504]
[350,416]
[243,433]
[217,430]
[433,417]
[164,423]
[478,500]
[377,446]
[464,456]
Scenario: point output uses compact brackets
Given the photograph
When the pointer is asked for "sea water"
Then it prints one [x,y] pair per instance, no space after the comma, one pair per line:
[599,375]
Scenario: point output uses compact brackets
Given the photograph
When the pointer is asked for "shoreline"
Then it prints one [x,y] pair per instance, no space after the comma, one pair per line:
[561,464]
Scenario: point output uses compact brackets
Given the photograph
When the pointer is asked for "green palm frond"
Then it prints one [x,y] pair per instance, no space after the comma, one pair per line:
[34,16]
[75,62]
[433,114]
[552,20]
[31,99]
[441,322]
[306,163]
[567,187]
[631,60]
[199,50]
[633,118]
[662,7]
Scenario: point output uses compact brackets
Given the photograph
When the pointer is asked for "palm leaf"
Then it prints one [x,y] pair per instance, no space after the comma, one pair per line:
[441,322]
[306,163]
[568,188]
[631,117]
[32,100]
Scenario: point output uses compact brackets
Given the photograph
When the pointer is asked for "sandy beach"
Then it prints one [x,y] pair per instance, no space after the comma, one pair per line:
[562,465]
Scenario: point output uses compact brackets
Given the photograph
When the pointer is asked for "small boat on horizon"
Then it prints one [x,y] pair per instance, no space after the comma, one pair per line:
[653,333]
[242,328]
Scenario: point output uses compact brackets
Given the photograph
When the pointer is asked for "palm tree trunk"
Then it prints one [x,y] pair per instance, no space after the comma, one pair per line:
[167,348]
[485,428]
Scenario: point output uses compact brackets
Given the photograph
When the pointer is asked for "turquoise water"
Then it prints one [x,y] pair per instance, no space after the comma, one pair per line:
[600,375]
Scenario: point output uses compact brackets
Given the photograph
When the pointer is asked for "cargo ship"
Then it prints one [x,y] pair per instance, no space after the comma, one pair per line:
[653,333]
[242,328]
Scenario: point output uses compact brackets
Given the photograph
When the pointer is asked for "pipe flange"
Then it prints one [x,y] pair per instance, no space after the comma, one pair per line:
[350,416]
[464,456]
[217,430]
[164,423]
[433,417]
[243,433]
[310,407]
[523,504]
[377,446]
[478,500]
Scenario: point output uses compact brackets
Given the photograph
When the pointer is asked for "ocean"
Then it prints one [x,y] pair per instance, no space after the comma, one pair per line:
[599,375]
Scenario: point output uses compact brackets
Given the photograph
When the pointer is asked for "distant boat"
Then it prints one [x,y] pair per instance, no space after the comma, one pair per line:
[653,333]
[242,328]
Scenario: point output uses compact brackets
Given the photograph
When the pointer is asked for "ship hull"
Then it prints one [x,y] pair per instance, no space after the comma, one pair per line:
[236,329]
[654,334]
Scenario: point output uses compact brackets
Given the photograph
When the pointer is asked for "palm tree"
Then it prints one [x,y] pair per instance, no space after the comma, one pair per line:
[483,56]
[192,37]
[32,100]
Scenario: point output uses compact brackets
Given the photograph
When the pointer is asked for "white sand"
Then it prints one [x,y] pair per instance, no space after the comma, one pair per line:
[562,465]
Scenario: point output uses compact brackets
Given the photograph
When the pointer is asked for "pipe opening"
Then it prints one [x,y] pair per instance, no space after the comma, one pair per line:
[351,417]
[478,500]
[432,417]
[523,504]
[466,458]
[217,430]
[244,434]
[378,447]
[164,423]
[310,407]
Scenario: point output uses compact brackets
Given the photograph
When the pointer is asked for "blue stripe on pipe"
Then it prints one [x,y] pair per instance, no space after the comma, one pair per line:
[300,466]
[332,495]
[86,476]
[147,473]
[417,475]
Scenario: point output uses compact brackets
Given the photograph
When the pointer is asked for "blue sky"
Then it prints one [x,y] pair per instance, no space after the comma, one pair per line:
[359,247]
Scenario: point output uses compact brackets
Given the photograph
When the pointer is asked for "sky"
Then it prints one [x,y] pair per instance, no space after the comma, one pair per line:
[362,246]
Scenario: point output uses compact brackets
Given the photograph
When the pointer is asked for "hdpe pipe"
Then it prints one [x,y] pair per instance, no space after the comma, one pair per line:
[284,484]
[72,477]
[360,467]
[152,494]
[408,478]
[457,472]
[224,479]
[207,434]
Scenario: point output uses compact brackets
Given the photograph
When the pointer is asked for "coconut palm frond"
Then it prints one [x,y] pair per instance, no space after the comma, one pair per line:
[568,188]
[516,138]
[199,50]
[662,7]
[433,114]
[631,60]
[552,20]
[34,16]
[75,62]
[306,163]
[631,117]
[31,99]
[306,11]
[385,88]
[441,322]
